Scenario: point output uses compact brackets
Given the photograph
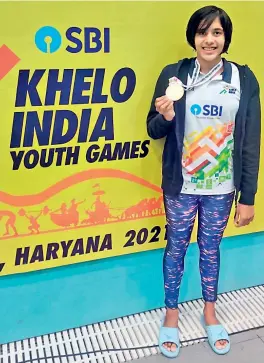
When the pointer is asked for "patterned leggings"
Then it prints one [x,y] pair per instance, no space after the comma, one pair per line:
[213,215]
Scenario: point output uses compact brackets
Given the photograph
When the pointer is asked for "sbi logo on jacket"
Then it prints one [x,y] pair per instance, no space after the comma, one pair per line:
[206,110]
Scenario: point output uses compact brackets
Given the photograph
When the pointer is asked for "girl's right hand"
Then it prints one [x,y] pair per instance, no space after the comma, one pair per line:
[165,107]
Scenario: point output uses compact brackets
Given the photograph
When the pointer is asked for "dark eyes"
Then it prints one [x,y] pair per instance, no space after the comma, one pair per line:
[216,32]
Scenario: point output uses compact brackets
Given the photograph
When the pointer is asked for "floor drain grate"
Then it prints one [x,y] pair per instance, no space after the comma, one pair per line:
[239,311]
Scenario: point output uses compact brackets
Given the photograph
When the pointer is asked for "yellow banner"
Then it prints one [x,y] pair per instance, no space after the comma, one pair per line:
[80,176]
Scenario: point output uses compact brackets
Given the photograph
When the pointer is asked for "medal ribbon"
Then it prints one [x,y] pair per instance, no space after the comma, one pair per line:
[194,80]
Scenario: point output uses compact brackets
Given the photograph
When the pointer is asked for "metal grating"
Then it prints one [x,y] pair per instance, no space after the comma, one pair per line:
[135,336]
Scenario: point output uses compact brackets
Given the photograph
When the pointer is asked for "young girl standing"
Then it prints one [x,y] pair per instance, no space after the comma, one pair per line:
[208,109]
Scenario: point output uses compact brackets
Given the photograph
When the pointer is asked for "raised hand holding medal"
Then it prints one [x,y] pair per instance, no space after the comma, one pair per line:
[164,106]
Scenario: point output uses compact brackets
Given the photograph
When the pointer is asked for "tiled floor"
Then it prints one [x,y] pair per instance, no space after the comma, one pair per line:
[246,347]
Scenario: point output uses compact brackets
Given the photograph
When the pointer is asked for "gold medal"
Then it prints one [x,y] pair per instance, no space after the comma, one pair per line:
[174,91]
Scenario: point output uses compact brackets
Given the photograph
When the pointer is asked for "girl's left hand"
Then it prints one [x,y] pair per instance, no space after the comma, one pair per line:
[244,215]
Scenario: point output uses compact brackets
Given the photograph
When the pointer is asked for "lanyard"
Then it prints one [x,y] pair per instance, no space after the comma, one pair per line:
[194,80]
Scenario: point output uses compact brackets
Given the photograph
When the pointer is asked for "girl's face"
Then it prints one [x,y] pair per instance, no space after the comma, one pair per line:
[209,44]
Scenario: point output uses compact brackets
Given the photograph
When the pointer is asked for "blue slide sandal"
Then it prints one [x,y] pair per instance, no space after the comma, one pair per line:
[215,333]
[169,335]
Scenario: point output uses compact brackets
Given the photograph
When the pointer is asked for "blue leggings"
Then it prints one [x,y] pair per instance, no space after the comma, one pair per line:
[213,215]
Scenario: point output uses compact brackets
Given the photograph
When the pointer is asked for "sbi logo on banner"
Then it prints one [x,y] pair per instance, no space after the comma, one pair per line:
[88,40]
[206,110]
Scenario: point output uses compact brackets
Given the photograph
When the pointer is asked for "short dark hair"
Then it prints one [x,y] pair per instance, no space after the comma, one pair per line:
[203,18]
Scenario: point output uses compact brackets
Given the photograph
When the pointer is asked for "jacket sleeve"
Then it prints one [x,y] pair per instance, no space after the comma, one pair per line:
[157,126]
[251,146]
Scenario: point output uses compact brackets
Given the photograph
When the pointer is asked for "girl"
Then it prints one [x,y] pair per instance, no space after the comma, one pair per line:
[210,158]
